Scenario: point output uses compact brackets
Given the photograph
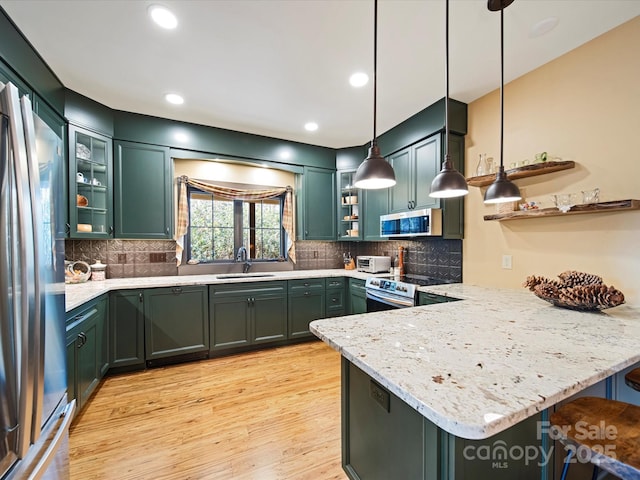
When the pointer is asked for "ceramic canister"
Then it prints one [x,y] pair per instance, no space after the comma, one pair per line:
[98,271]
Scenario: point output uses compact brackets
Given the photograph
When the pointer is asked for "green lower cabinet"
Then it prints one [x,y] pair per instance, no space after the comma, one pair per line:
[245,314]
[426,298]
[87,349]
[357,296]
[383,438]
[335,298]
[307,301]
[126,323]
[176,321]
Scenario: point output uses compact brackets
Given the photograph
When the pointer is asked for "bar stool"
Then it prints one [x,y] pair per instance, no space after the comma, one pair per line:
[632,379]
[603,432]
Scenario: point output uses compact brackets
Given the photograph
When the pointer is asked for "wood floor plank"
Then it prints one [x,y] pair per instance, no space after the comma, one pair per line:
[268,415]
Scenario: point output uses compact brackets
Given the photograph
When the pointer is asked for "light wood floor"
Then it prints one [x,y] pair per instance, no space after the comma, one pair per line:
[272,414]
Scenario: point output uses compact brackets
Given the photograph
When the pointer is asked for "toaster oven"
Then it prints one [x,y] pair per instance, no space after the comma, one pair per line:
[373,264]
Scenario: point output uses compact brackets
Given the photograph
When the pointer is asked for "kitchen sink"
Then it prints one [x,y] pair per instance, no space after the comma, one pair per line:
[245,275]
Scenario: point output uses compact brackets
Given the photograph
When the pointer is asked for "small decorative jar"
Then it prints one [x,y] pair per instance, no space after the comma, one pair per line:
[98,271]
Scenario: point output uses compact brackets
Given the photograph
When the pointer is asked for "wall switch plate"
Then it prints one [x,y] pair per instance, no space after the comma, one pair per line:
[507,262]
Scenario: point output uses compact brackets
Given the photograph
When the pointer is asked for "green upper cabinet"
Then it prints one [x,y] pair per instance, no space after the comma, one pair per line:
[316,212]
[142,191]
[90,181]
[415,168]
[375,203]
[349,206]
[453,208]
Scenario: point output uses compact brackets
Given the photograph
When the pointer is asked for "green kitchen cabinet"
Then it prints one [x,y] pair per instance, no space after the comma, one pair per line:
[383,437]
[335,289]
[126,328]
[87,349]
[90,184]
[316,194]
[415,168]
[350,206]
[176,322]
[453,208]
[244,314]
[375,203]
[427,298]
[357,296]
[307,302]
[142,191]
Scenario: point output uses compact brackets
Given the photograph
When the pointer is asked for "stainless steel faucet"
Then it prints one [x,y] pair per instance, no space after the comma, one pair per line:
[241,256]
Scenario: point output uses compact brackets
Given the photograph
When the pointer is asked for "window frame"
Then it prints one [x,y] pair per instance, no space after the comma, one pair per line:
[238,229]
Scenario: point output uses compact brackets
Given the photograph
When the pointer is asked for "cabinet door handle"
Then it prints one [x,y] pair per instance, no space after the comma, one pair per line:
[140,297]
[166,230]
[306,232]
[111,230]
[176,290]
[82,339]
[306,284]
[307,293]
[67,228]
[334,300]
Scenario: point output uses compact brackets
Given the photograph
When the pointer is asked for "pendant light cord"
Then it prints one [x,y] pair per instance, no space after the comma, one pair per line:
[446,81]
[375,67]
[502,85]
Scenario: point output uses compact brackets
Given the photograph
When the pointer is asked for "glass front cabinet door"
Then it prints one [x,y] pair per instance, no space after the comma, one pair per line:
[90,183]
[349,207]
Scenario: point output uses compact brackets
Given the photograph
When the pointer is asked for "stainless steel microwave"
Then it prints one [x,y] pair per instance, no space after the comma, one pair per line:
[414,223]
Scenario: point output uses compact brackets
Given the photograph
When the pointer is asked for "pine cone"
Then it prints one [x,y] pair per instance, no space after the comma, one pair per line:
[533,280]
[571,278]
[546,290]
[591,296]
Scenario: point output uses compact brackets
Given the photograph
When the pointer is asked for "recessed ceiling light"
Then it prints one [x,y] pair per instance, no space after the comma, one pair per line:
[174,98]
[163,17]
[543,27]
[311,126]
[359,79]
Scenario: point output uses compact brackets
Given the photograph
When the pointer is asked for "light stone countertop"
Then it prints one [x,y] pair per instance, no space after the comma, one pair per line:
[77,294]
[481,365]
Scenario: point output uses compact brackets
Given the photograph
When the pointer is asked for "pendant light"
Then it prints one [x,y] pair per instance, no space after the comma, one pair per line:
[374,172]
[449,182]
[502,190]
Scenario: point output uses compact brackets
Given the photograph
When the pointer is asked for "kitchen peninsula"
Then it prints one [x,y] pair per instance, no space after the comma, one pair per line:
[424,388]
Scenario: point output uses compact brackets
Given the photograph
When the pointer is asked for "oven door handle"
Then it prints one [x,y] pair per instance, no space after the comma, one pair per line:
[394,301]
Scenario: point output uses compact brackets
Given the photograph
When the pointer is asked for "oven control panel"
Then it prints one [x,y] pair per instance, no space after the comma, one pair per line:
[391,286]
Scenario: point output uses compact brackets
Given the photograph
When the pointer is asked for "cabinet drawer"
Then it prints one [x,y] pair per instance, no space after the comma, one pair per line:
[296,286]
[337,283]
[243,289]
[335,303]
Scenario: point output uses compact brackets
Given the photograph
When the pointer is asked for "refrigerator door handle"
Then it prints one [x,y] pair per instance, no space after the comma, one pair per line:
[11,104]
[53,447]
[38,324]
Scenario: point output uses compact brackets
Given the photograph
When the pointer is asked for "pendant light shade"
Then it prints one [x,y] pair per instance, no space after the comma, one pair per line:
[449,182]
[502,190]
[375,172]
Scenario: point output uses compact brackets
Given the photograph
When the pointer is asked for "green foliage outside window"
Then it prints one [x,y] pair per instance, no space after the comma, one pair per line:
[211,229]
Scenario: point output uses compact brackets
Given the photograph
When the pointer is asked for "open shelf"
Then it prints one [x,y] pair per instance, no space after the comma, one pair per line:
[523,172]
[601,207]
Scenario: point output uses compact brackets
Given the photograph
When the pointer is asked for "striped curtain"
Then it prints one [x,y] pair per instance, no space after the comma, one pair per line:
[228,193]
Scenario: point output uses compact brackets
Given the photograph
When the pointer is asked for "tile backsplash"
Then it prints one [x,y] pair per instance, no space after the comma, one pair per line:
[432,257]
[126,258]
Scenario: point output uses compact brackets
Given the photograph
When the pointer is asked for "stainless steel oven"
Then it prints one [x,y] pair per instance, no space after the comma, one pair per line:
[389,293]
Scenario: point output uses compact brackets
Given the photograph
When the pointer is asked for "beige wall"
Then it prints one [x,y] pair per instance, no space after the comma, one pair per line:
[583,106]
[229,172]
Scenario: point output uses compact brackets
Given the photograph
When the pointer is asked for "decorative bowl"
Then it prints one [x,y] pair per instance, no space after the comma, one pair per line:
[77,272]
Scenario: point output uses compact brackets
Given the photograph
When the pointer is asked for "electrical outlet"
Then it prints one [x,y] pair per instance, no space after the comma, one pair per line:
[315,254]
[507,262]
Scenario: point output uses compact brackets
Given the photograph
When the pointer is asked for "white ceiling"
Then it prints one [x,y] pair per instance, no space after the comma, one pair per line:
[268,66]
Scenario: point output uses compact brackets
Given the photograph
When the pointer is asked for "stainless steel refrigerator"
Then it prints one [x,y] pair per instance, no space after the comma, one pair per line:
[34,412]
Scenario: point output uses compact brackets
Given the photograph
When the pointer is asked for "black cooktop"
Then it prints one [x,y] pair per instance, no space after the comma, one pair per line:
[419,280]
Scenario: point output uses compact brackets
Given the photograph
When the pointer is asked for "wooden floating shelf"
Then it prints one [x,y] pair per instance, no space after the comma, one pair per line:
[614,206]
[523,172]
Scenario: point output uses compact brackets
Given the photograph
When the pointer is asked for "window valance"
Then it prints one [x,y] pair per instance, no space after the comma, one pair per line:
[229,193]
